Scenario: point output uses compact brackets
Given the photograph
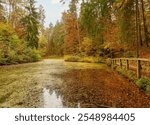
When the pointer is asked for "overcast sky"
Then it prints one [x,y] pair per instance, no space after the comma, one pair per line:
[53,10]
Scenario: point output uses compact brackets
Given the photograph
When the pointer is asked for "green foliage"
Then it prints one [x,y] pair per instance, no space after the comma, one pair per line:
[12,49]
[131,75]
[9,42]
[91,12]
[148,89]
[58,39]
[144,84]
[42,45]
[31,23]
[33,54]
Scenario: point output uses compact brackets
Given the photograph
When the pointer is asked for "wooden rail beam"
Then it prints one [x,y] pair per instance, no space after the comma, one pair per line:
[138,60]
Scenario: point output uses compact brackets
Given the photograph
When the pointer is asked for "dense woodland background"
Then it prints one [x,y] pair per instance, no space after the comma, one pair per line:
[94,28]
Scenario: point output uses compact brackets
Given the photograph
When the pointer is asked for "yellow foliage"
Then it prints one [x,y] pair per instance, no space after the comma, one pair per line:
[88,59]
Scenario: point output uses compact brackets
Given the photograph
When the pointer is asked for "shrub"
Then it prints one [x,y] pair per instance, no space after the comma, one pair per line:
[91,59]
[72,58]
[148,89]
[131,75]
[108,61]
[12,49]
[32,55]
[88,59]
[144,83]
[122,71]
[86,46]
[42,45]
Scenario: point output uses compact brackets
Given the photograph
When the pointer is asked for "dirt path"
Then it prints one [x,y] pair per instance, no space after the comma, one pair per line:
[55,83]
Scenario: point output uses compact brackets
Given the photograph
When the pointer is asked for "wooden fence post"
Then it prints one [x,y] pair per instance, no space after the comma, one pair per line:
[112,63]
[120,63]
[138,69]
[127,64]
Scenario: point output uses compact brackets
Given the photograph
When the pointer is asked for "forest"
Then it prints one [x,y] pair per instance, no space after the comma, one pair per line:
[89,28]
[103,28]
[96,55]
[21,31]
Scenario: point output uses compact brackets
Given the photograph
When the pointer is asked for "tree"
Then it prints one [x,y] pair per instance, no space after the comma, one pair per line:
[31,24]
[2,17]
[71,28]
[41,18]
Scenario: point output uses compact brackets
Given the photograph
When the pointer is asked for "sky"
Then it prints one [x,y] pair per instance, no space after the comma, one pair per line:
[53,10]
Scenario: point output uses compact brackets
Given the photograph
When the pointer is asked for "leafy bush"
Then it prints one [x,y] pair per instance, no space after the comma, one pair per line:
[131,75]
[86,46]
[144,83]
[148,89]
[12,49]
[42,45]
[108,61]
[88,59]
[72,58]
[33,54]
[122,71]
[91,59]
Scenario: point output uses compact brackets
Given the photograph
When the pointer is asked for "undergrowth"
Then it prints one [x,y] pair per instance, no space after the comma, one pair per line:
[143,83]
[88,59]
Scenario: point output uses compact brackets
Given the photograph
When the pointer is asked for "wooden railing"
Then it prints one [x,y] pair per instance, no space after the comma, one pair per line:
[138,61]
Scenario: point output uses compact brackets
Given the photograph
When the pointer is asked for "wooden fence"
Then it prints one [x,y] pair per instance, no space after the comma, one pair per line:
[138,61]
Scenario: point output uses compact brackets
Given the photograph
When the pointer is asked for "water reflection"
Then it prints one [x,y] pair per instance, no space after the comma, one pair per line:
[78,86]
[91,86]
[51,99]
[77,89]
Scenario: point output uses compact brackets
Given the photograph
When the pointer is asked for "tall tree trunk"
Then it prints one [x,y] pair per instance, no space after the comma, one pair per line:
[137,28]
[140,33]
[144,24]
